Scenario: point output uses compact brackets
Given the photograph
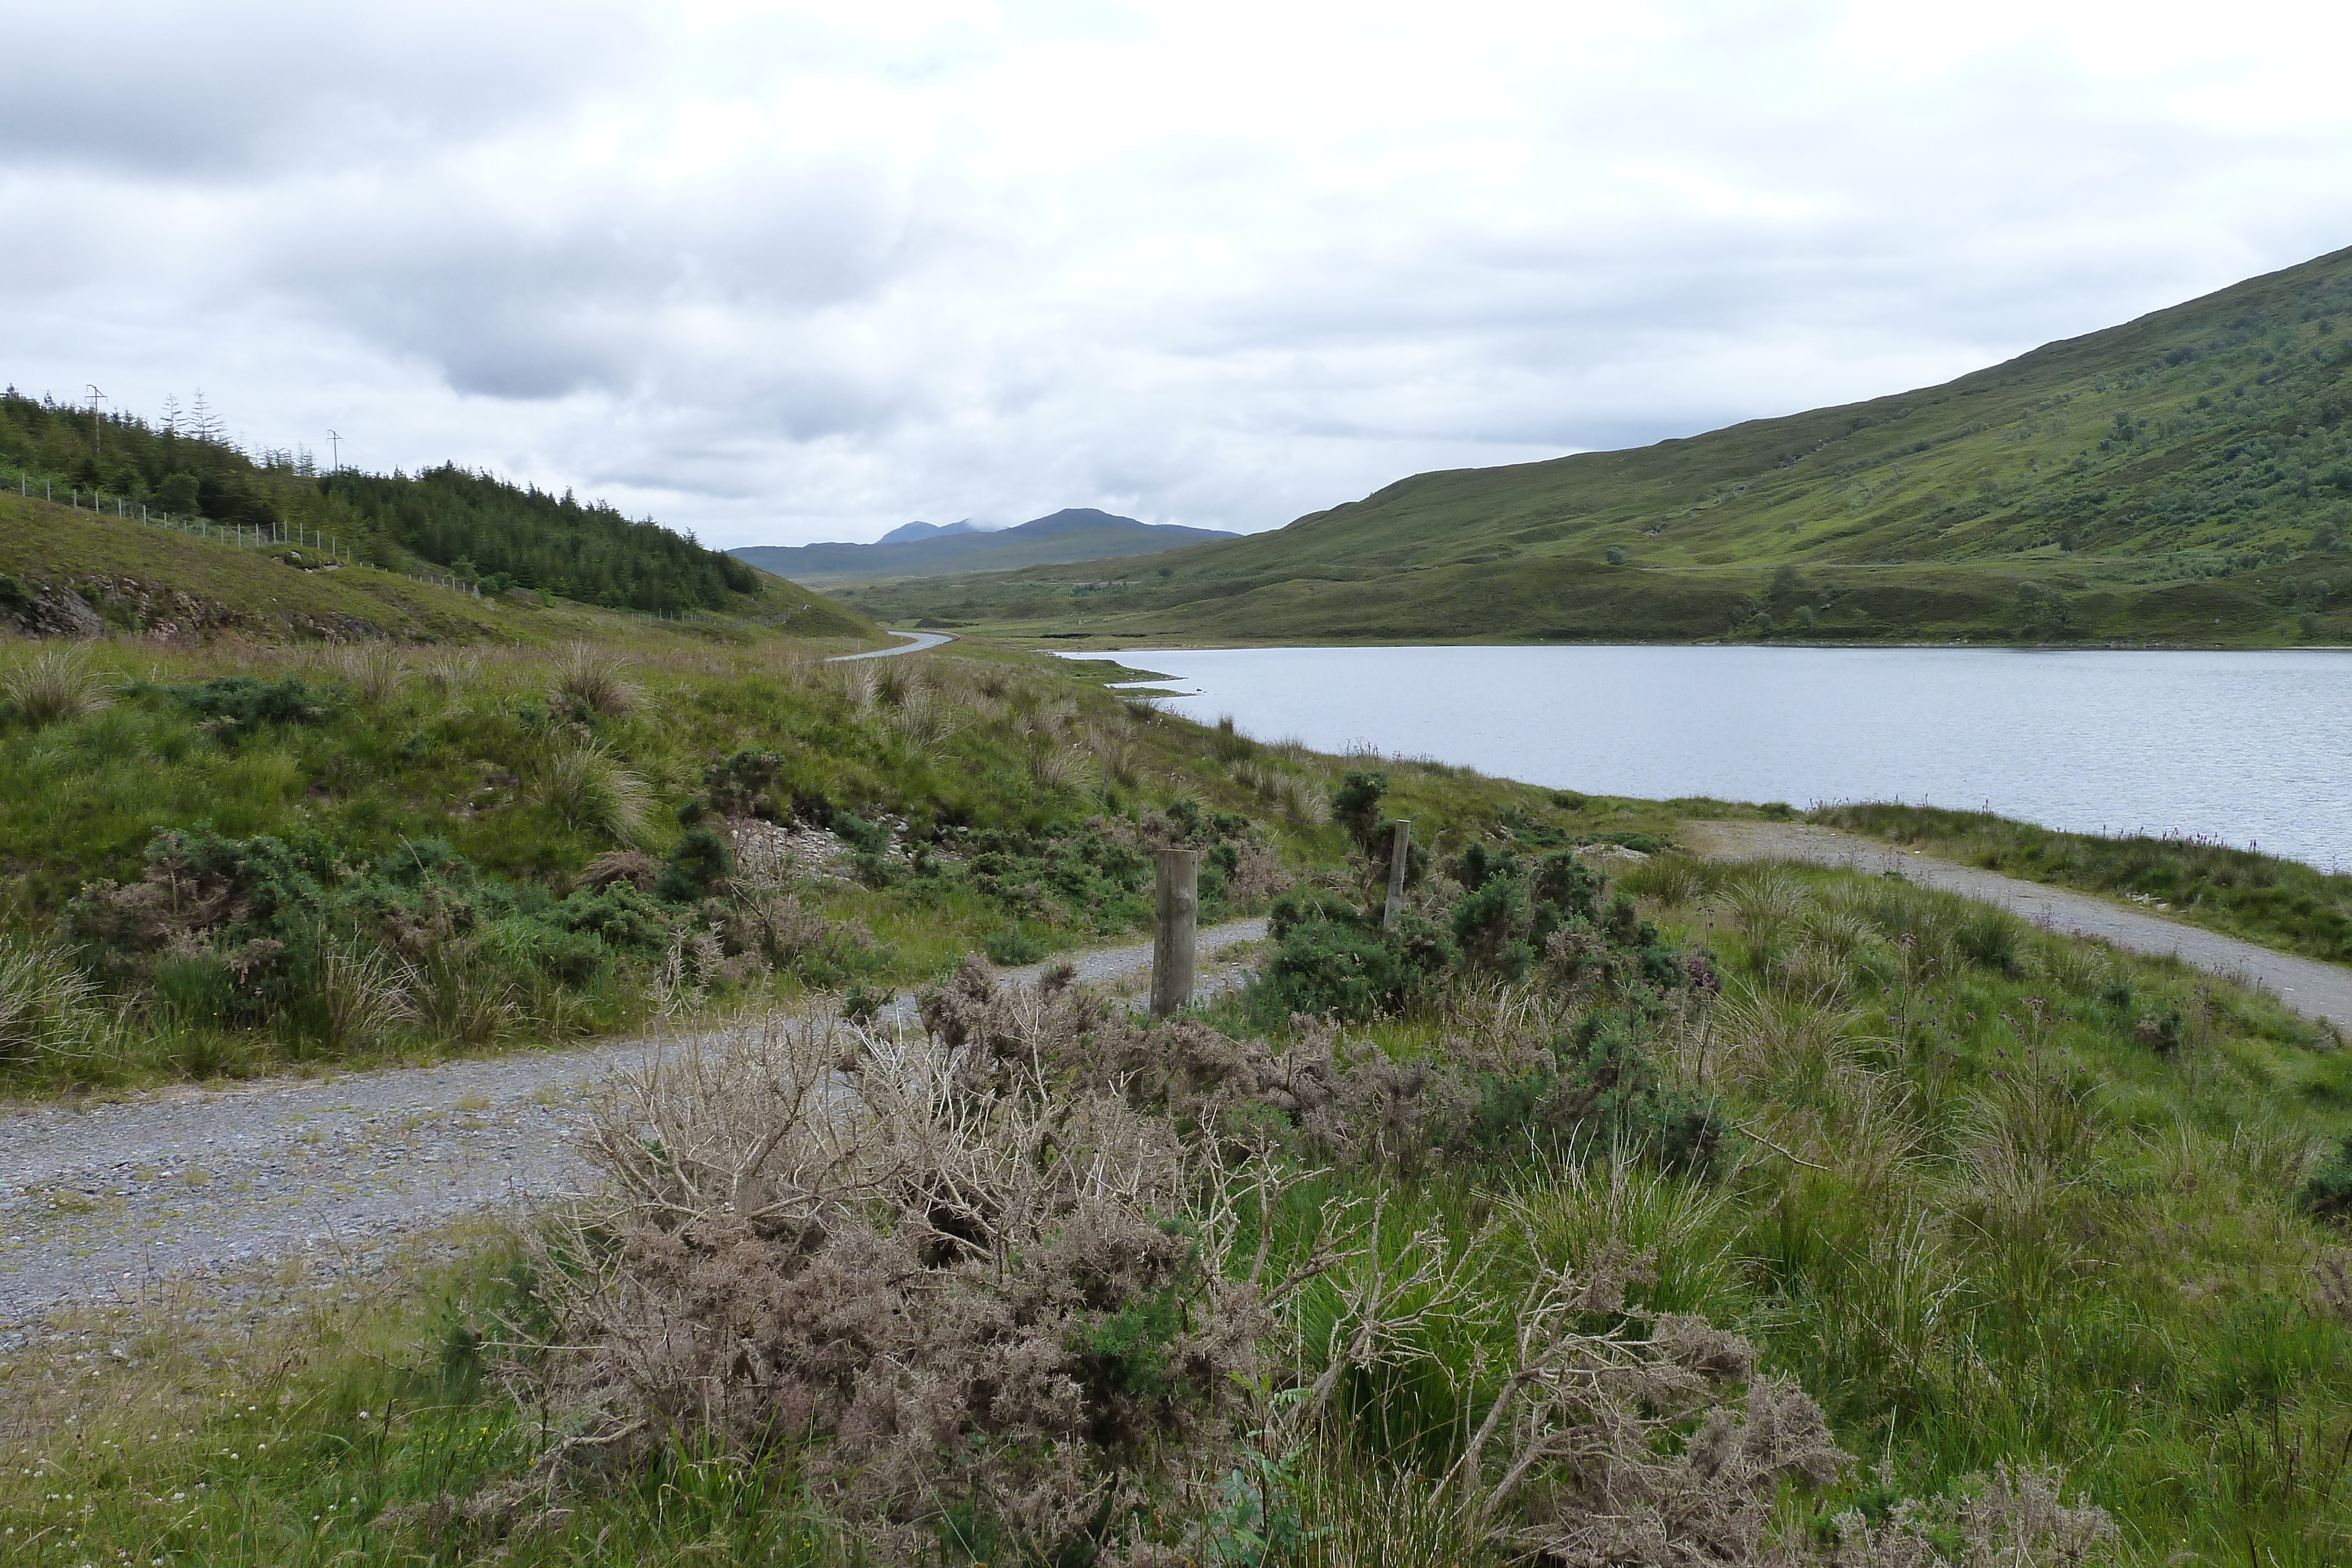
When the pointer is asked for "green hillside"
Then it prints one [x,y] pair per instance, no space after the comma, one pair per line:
[71,571]
[479,530]
[2186,477]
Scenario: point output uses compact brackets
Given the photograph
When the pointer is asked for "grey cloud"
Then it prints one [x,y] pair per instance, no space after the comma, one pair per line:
[783,277]
[171,90]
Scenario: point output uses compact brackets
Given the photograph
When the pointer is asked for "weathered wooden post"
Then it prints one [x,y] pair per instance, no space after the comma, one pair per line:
[1174,930]
[1399,851]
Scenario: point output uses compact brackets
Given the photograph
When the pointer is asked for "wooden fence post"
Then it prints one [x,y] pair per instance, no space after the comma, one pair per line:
[1399,851]
[1175,930]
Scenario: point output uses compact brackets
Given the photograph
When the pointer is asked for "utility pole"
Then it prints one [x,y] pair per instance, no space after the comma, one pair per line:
[96,431]
[335,446]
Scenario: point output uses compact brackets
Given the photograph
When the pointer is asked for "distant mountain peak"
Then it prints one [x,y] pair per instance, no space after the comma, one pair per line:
[1071,517]
[910,533]
[1073,533]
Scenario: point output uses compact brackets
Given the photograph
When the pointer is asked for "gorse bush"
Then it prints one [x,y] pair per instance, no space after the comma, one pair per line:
[1331,960]
[247,701]
[1494,918]
[1038,1289]
[2329,1190]
[990,1319]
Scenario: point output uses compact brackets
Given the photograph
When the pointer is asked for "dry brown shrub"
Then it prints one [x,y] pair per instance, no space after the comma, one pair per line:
[1315,1096]
[781,932]
[2017,1519]
[1601,1446]
[635,867]
[957,1300]
[2332,1284]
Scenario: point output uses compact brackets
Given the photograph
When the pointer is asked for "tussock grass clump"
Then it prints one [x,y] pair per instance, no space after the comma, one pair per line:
[358,1000]
[48,1009]
[590,789]
[55,685]
[597,679]
[374,671]
[1055,767]
[455,997]
[452,670]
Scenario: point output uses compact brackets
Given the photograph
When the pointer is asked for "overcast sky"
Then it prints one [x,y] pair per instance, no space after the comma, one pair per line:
[790,273]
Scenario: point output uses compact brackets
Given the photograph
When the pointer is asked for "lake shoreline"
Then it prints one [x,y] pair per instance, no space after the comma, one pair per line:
[2240,746]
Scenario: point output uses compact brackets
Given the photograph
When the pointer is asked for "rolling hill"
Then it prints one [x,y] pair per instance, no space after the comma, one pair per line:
[1075,533]
[440,554]
[2186,477]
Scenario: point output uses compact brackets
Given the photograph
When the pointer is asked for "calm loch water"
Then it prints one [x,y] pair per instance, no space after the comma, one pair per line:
[2251,749]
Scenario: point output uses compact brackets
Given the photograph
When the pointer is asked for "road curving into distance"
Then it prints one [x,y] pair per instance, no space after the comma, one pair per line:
[917,642]
[2317,990]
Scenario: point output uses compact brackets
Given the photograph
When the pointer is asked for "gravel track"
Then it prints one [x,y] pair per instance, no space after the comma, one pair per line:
[115,1199]
[2317,990]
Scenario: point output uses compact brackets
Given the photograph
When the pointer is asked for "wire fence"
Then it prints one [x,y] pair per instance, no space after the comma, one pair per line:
[242,536]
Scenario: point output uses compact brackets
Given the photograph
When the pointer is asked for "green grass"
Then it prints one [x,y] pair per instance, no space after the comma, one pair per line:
[2184,479]
[481,783]
[1991,1196]
[2281,903]
[289,1443]
[2005,1230]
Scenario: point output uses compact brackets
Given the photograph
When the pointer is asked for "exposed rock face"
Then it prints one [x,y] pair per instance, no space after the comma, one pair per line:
[57,613]
[157,610]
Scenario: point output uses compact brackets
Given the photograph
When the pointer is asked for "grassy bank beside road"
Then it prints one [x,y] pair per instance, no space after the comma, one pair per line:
[2281,903]
[2049,1277]
[237,858]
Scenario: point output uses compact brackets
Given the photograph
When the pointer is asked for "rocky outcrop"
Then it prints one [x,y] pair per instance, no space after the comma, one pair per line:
[83,607]
[39,609]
